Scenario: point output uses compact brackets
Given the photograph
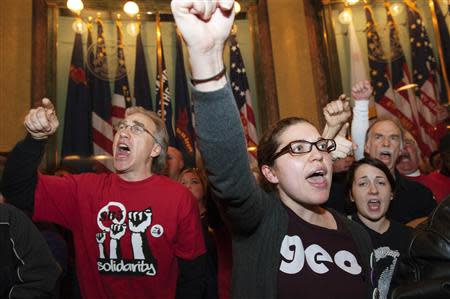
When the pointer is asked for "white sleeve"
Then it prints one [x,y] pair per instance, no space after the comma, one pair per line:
[360,124]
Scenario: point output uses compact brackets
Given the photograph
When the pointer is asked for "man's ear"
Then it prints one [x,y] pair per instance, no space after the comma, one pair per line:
[156,150]
[269,174]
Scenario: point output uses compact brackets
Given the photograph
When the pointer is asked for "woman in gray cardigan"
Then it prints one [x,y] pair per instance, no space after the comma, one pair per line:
[285,245]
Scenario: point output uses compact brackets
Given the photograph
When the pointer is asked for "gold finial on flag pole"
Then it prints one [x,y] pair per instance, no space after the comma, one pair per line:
[439,47]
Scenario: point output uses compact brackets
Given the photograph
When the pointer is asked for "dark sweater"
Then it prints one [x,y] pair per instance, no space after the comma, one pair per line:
[259,221]
[27,267]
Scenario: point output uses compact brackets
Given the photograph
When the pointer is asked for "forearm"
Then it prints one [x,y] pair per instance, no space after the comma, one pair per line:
[360,125]
[330,132]
[224,151]
[20,174]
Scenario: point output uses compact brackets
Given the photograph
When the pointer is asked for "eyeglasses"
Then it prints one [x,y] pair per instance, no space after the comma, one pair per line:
[298,147]
[136,128]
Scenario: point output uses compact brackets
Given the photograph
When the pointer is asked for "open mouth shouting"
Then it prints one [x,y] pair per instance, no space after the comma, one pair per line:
[122,150]
[317,177]
[374,205]
[385,156]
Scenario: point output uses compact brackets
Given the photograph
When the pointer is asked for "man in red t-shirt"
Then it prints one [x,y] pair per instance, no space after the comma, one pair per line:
[137,234]
[408,164]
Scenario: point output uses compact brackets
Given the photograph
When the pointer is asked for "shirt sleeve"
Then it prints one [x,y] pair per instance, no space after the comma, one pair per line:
[189,243]
[55,200]
[360,125]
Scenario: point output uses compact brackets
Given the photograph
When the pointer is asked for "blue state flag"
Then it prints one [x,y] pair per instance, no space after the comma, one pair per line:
[142,92]
[77,137]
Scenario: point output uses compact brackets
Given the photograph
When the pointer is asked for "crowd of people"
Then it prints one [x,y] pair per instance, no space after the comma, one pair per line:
[327,216]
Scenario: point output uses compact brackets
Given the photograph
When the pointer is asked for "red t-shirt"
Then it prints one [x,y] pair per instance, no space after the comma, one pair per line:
[438,183]
[127,235]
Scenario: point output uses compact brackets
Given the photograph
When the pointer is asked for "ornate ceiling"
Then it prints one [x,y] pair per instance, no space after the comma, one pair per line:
[148,5]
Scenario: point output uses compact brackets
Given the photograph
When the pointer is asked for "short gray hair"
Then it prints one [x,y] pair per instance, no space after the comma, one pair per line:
[160,134]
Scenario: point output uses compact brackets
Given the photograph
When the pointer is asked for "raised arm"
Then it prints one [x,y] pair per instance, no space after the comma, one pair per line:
[361,92]
[205,26]
[336,114]
[20,174]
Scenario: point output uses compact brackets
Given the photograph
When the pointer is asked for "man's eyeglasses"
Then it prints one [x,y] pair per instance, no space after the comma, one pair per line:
[136,128]
[299,147]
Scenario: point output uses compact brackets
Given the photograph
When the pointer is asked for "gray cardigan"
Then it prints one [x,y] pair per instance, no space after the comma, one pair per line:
[259,221]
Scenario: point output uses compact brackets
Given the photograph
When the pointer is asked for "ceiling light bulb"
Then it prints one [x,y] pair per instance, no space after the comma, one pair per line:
[237,7]
[75,5]
[345,17]
[131,8]
[396,9]
[352,2]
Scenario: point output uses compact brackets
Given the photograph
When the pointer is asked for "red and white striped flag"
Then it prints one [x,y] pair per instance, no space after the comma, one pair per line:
[121,98]
[241,92]
[430,112]
[387,104]
[102,131]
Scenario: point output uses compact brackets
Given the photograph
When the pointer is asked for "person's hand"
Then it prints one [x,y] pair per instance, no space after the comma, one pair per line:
[42,122]
[343,164]
[362,90]
[336,114]
[344,147]
[205,26]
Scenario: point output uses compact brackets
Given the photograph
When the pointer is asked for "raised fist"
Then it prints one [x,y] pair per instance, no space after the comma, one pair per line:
[117,231]
[100,237]
[362,90]
[337,112]
[42,122]
[138,222]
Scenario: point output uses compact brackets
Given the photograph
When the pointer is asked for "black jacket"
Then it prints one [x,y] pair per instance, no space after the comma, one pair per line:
[27,267]
[425,272]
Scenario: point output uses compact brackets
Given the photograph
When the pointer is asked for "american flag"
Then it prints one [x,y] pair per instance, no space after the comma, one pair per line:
[241,92]
[102,131]
[163,97]
[424,74]
[121,98]
[184,129]
[388,104]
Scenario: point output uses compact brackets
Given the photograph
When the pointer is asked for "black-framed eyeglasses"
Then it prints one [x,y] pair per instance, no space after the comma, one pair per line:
[136,128]
[298,147]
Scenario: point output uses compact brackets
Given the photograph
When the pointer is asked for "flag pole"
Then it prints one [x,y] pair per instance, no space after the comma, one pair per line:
[159,49]
[439,46]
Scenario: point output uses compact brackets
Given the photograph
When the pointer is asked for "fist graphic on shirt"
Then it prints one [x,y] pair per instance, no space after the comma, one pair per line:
[138,222]
[117,231]
[100,237]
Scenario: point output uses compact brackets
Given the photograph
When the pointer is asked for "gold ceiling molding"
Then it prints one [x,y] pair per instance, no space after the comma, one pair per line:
[117,5]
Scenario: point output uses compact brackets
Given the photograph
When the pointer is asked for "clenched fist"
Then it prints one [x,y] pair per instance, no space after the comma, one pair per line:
[362,90]
[42,122]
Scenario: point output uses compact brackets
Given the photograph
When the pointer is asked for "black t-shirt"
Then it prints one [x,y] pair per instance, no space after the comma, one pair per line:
[317,262]
[389,247]
[411,200]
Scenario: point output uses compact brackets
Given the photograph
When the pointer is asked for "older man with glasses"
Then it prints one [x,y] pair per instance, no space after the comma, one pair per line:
[136,233]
